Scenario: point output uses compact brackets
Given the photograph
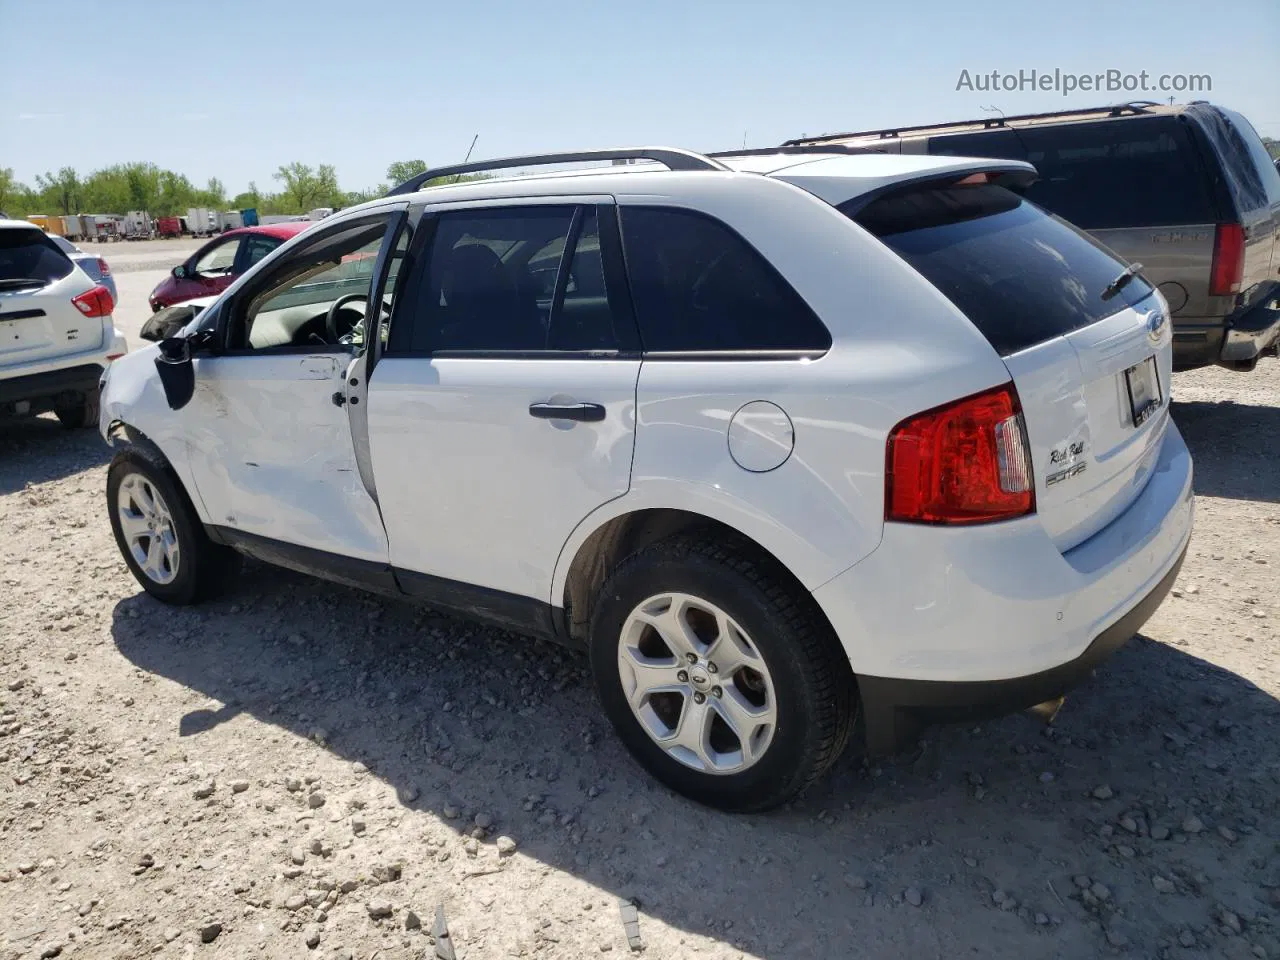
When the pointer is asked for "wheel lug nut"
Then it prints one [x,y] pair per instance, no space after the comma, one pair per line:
[711,667]
[699,698]
[691,657]
[717,692]
[682,676]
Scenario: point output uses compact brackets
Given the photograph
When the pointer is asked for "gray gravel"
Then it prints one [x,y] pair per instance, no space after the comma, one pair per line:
[196,769]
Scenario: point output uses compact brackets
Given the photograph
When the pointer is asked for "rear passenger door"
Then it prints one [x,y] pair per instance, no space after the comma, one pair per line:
[502,410]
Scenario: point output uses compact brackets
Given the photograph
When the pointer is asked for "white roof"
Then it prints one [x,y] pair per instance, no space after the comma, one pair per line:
[19,223]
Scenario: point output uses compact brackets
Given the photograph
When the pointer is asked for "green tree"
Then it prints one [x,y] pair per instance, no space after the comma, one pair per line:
[12,193]
[61,190]
[402,170]
[1273,147]
[217,192]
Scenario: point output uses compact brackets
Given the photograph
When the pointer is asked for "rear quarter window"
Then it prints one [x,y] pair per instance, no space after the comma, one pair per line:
[1130,172]
[1020,275]
[30,255]
[699,287]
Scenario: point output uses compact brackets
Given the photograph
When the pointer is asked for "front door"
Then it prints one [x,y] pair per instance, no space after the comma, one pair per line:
[270,436]
[502,411]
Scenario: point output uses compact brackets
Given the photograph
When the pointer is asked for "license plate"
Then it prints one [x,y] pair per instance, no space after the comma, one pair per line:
[1143,384]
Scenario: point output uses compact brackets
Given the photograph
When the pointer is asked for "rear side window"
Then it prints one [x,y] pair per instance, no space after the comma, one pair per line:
[28,255]
[1135,172]
[511,280]
[699,287]
[1020,275]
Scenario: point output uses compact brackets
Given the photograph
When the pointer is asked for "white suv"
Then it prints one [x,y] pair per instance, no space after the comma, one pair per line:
[784,441]
[56,332]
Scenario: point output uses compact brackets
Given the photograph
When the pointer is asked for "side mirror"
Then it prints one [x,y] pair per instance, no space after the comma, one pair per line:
[180,272]
[177,372]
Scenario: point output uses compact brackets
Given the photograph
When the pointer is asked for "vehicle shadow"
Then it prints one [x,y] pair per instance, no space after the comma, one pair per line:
[1233,446]
[40,449]
[448,713]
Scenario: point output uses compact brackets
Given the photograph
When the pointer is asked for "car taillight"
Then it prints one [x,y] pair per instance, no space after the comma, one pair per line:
[1228,260]
[95,303]
[965,462]
[103,268]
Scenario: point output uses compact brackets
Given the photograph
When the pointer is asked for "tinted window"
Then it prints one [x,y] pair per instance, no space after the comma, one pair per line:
[698,286]
[257,246]
[30,255]
[583,320]
[1020,275]
[489,283]
[1113,173]
[1253,165]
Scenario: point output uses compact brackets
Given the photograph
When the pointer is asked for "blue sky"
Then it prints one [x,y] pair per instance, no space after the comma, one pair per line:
[233,89]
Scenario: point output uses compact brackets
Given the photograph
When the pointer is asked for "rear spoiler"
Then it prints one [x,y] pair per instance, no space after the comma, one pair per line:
[1013,175]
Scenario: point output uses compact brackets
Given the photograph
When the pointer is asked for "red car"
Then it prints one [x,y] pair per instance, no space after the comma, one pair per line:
[213,267]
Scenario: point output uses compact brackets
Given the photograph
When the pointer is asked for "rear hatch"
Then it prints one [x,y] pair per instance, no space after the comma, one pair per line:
[38,318]
[1090,357]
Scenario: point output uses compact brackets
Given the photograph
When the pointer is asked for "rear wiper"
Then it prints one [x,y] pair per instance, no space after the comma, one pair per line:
[1122,281]
[7,282]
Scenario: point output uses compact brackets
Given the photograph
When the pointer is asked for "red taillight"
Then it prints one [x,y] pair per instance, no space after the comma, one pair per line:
[1228,260]
[95,303]
[965,462]
[103,268]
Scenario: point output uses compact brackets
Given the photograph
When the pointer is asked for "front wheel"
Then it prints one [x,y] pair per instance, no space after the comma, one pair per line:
[720,674]
[159,534]
[74,416]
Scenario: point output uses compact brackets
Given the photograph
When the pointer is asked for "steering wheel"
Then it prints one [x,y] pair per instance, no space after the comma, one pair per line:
[331,318]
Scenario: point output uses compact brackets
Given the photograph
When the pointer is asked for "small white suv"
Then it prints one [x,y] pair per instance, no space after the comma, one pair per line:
[56,332]
[785,441]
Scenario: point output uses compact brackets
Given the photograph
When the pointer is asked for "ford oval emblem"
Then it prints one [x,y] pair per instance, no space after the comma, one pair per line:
[1155,325]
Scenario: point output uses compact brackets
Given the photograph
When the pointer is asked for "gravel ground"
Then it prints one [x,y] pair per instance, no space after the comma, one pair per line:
[302,770]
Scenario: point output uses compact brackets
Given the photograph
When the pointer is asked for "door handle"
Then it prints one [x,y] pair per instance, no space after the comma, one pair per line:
[584,412]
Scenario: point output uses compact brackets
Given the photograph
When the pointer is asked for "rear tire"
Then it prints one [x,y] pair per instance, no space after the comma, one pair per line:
[159,533]
[79,415]
[785,680]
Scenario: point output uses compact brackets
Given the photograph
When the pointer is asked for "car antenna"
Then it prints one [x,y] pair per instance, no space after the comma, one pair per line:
[456,176]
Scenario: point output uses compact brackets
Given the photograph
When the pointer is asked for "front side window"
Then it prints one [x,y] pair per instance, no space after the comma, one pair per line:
[699,287]
[315,297]
[218,260]
[521,279]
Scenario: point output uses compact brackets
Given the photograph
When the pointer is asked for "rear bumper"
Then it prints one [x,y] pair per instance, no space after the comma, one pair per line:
[1251,334]
[1235,342]
[38,387]
[43,391]
[894,711]
[995,617]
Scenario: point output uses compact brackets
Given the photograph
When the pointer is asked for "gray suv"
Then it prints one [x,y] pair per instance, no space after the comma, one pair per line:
[1187,190]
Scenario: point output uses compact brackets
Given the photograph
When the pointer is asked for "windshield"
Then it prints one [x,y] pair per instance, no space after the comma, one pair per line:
[1021,275]
[29,258]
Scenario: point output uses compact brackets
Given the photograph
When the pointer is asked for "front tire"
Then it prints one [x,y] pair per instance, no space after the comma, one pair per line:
[76,416]
[159,534]
[719,673]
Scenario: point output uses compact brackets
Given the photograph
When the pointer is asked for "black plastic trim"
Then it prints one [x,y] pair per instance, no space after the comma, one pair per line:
[509,611]
[21,315]
[365,574]
[35,386]
[894,711]
[673,159]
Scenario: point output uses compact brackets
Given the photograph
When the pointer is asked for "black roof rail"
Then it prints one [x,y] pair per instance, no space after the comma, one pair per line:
[1137,106]
[673,158]
[801,151]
